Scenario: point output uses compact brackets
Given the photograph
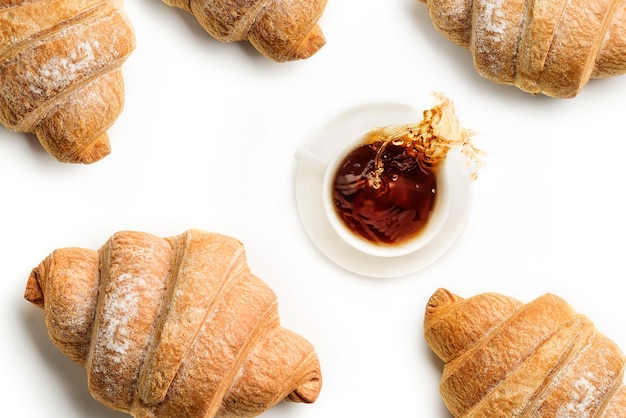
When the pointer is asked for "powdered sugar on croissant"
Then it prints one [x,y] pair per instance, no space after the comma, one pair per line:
[542,46]
[60,72]
[174,327]
[508,359]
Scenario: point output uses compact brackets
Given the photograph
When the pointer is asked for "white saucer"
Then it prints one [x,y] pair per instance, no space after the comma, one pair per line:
[309,178]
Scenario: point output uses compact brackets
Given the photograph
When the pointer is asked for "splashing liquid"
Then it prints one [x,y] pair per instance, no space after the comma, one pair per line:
[385,189]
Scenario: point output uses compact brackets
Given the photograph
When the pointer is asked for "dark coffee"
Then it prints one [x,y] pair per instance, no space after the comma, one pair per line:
[383,193]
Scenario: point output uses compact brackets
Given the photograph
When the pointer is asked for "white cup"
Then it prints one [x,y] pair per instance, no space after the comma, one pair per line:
[436,221]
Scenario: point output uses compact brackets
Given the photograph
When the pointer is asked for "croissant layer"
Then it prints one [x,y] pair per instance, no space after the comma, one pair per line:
[551,47]
[173,327]
[504,358]
[285,30]
[60,72]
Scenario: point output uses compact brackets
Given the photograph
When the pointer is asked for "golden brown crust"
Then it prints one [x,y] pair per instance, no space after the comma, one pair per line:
[504,358]
[64,285]
[131,292]
[60,74]
[173,327]
[551,47]
[284,30]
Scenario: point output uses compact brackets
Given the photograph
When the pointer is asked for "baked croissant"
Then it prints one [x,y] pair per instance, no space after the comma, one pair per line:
[508,359]
[174,327]
[60,72]
[284,30]
[542,46]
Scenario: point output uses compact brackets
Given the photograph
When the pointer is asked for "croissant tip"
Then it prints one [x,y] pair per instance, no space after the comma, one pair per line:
[33,292]
[312,43]
[308,391]
[442,297]
[95,151]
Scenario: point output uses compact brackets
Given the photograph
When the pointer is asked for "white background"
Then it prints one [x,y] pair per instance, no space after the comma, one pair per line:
[207,140]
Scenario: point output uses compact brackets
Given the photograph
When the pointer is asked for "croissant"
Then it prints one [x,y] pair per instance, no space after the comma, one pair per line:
[508,359]
[551,47]
[60,72]
[173,327]
[285,30]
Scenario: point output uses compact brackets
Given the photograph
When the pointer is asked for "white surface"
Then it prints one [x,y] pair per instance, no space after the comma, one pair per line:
[207,139]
